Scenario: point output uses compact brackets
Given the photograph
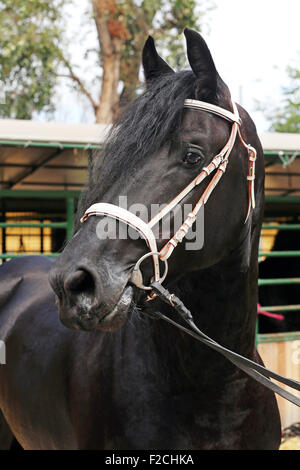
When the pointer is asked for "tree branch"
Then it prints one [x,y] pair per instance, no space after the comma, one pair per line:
[81,85]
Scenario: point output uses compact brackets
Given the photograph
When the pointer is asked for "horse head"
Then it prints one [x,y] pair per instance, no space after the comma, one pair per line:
[156,149]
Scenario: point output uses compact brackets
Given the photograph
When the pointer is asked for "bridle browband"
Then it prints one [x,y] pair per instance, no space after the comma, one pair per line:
[218,164]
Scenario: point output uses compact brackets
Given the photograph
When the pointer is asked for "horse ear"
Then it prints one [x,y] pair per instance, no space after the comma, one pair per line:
[203,66]
[153,64]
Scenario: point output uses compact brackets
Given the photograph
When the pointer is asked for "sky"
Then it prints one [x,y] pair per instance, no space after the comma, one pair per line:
[252,43]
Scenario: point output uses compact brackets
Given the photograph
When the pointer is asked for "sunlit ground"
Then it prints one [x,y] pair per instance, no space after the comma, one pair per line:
[291,443]
[291,438]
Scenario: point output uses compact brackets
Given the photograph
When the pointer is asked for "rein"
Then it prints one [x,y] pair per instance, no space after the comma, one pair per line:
[218,164]
[258,372]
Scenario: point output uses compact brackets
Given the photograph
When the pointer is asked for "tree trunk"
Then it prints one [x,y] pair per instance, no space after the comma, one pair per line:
[131,63]
[109,99]
[130,77]
[111,31]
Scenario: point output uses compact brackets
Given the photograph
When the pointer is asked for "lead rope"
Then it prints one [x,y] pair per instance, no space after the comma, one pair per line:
[258,372]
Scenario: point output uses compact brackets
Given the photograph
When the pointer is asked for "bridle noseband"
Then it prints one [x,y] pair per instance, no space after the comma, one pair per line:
[218,164]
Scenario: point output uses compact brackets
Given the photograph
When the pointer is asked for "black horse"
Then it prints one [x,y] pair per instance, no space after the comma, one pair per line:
[124,380]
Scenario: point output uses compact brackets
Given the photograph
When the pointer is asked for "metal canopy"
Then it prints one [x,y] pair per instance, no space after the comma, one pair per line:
[280,141]
[54,156]
[42,168]
[20,130]
[39,155]
[282,152]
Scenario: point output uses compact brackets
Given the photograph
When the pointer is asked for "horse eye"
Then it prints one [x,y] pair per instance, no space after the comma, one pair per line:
[191,158]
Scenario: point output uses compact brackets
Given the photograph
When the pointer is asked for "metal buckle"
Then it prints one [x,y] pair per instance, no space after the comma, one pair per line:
[137,277]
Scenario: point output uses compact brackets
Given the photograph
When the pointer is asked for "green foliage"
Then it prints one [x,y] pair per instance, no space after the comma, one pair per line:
[165,21]
[32,46]
[30,36]
[286,118]
[179,14]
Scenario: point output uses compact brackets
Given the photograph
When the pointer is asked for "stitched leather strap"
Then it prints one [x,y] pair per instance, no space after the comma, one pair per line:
[212,108]
[116,212]
[219,163]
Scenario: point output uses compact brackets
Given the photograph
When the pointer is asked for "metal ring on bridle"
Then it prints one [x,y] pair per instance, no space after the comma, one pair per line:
[137,277]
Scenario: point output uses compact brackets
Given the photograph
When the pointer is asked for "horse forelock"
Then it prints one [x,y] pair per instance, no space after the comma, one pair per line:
[149,120]
[144,127]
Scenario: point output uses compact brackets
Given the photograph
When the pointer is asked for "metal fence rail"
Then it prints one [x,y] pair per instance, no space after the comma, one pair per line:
[260,338]
[282,308]
[20,255]
[34,225]
[281,226]
[278,281]
[68,196]
[279,254]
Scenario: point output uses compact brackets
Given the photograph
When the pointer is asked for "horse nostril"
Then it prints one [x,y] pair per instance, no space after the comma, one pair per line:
[80,281]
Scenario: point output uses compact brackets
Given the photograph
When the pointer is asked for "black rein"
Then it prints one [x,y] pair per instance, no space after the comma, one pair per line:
[258,372]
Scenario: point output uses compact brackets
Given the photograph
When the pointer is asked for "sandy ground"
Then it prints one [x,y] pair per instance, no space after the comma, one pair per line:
[290,443]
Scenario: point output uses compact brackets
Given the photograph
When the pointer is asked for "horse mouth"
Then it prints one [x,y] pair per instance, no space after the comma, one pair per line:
[82,317]
[115,319]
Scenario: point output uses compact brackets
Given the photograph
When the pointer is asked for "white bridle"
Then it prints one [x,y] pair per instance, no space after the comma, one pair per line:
[218,163]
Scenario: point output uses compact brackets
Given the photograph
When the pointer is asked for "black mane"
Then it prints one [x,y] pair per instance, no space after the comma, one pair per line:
[146,124]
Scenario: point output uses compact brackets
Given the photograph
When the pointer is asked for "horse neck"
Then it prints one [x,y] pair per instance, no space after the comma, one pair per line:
[223,301]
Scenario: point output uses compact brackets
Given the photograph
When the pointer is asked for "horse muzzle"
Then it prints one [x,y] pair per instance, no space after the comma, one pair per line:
[82,302]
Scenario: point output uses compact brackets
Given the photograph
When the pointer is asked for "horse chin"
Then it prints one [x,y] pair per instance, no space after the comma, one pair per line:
[78,318]
[114,320]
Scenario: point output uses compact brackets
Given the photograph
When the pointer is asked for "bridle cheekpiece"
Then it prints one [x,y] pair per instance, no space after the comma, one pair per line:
[218,164]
